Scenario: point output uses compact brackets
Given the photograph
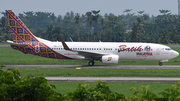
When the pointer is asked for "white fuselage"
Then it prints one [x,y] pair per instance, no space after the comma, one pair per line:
[125,51]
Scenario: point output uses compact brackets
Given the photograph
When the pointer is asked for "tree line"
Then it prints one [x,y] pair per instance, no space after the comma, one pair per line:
[93,27]
[30,88]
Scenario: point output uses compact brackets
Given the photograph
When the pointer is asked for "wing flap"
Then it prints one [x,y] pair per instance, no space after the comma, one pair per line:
[91,55]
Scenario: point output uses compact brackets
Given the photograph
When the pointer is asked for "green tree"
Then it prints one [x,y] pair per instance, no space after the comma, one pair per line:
[113,24]
[89,19]
[53,18]
[95,16]
[4,29]
[140,12]
[77,19]
[164,37]
[173,93]
[98,93]
[16,88]
[3,24]
[49,32]
[57,31]
[142,94]
[127,10]
[162,20]
[137,29]
[102,24]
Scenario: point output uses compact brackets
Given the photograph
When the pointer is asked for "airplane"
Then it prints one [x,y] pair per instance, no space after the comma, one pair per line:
[106,52]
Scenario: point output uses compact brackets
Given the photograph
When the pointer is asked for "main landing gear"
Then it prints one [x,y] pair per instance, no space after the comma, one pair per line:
[91,63]
[160,63]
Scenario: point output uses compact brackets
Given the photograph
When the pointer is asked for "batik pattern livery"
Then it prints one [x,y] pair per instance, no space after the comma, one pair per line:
[19,31]
[21,35]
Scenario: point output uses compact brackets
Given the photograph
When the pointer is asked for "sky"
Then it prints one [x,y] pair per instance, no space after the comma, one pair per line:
[60,7]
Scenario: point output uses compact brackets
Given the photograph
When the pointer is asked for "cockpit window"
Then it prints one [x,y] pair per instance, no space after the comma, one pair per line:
[168,49]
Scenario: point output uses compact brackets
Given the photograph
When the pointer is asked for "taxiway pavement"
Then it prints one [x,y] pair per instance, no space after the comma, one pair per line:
[4,45]
[114,79]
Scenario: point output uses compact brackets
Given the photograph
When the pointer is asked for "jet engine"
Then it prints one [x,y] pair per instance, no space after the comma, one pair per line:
[110,59]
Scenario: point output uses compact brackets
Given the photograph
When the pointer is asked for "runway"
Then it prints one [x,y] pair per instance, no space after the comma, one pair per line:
[114,79]
[4,45]
[95,66]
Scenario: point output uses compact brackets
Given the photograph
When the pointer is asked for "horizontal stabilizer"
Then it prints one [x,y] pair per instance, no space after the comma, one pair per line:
[15,44]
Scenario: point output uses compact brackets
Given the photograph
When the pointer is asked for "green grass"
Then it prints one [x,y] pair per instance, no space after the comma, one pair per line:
[100,72]
[14,57]
[120,87]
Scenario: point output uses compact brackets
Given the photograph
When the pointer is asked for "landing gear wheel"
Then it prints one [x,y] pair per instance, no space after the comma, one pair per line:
[91,63]
[160,63]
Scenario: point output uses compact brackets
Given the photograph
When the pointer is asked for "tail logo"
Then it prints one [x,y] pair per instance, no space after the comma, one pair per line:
[19,31]
[21,35]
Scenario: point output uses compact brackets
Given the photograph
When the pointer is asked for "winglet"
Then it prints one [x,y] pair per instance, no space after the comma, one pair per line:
[65,45]
[70,39]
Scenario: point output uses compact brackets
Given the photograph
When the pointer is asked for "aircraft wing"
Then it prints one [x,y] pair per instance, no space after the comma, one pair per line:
[15,44]
[90,55]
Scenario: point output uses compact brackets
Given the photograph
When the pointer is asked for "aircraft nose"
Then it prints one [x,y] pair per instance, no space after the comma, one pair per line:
[175,54]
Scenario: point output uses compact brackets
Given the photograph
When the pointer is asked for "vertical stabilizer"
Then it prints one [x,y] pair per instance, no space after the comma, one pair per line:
[19,31]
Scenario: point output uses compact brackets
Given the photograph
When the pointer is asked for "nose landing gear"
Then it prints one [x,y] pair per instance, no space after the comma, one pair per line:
[91,63]
[160,63]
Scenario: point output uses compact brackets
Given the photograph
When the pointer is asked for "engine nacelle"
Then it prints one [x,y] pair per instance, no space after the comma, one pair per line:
[110,59]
